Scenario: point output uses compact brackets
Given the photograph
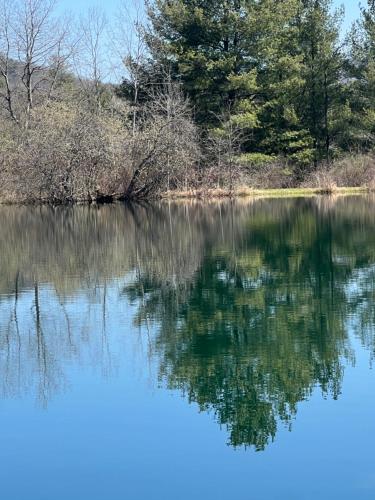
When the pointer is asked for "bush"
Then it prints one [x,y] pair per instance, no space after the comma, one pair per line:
[71,152]
[65,154]
[352,171]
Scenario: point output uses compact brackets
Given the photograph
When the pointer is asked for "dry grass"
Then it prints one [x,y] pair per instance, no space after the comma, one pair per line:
[244,191]
[354,171]
[199,193]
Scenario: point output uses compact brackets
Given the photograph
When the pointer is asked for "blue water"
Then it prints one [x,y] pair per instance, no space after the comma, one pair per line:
[188,351]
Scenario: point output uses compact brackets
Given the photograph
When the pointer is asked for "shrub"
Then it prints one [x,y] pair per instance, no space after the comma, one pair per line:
[72,152]
[351,171]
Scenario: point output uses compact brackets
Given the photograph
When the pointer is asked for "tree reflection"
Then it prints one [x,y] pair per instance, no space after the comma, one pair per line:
[246,307]
[61,275]
[265,319]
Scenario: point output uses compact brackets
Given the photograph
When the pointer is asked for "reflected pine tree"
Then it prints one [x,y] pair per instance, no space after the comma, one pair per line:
[264,321]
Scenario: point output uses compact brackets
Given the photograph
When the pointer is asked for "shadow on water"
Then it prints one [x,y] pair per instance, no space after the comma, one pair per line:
[248,306]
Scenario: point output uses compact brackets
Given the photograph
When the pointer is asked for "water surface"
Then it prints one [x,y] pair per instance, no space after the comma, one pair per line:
[179,351]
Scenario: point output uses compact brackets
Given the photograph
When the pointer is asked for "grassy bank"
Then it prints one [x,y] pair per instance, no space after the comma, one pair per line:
[262,193]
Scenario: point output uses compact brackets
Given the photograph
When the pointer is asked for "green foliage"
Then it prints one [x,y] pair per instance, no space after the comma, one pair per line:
[205,43]
[279,67]
[360,130]
[255,159]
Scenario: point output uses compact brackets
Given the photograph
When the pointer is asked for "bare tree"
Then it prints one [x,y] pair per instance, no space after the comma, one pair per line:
[224,144]
[90,59]
[6,89]
[165,146]
[130,49]
[33,53]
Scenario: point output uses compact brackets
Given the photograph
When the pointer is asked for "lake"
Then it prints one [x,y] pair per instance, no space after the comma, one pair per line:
[190,350]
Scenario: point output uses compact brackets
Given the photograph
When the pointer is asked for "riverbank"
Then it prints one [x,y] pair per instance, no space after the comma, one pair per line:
[242,192]
[206,194]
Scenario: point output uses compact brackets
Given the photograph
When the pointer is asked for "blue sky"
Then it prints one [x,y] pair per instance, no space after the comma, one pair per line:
[78,6]
[351,10]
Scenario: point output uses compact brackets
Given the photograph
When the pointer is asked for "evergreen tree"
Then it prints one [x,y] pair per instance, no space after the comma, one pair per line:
[277,70]
[362,80]
[280,81]
[323,97]
[208,44]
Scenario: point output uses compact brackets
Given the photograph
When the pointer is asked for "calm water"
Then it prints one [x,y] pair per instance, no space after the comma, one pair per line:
[188,351]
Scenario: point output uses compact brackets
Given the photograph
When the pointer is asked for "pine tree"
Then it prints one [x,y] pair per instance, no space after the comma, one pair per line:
[361,133]
[208,44]
[281,80]
[276,69]
[323,96]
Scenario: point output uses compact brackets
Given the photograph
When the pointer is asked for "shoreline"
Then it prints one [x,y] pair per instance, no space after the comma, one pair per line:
[244,192]
[208,194]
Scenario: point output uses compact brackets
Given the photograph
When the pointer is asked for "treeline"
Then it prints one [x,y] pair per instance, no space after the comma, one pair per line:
[213,93]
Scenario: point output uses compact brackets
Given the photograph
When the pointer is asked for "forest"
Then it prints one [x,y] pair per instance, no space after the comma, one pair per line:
[184,96]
